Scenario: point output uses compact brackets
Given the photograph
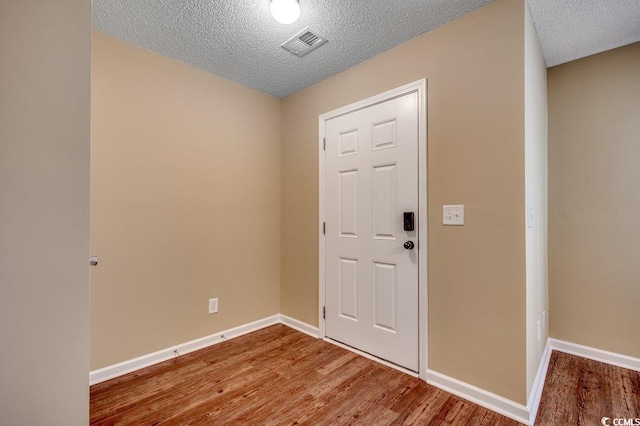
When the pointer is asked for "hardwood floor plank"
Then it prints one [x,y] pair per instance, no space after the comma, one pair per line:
[423,408]
[626,397]
[363,398]
[338,403]
[404,394]
[593,391]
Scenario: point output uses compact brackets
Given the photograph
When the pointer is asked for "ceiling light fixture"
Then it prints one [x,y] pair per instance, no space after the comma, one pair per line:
[285,11]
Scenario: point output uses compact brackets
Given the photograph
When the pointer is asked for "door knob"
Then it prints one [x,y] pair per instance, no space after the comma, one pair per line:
[93,261]
[409,245]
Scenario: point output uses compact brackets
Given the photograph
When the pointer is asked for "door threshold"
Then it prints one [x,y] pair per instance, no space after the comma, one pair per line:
[372,357]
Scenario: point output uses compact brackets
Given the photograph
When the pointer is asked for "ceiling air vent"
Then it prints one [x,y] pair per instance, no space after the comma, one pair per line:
[303,42]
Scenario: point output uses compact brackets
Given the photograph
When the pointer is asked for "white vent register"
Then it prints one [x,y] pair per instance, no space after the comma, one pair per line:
[304,42]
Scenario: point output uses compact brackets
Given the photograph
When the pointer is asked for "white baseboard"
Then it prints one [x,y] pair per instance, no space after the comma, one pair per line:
[479,396]
[497,403]
[612,358]
[302,327]
[125,367]
[538,384]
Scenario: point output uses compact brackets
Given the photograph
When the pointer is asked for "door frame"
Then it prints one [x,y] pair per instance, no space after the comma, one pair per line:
[419,87]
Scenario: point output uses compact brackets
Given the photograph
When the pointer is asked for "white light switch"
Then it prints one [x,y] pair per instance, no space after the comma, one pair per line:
[530,216]
[453,215]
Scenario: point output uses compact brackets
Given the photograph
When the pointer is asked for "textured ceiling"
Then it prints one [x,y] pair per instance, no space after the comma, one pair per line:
[239,40]
[572,29]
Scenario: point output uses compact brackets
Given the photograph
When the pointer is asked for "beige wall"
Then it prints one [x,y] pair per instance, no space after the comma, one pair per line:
[535,141]
[44,212]
[185,202]
[594,200]
[475,72]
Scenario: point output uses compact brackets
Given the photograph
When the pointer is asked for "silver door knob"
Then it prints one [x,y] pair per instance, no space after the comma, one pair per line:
[409,245]
[93,261]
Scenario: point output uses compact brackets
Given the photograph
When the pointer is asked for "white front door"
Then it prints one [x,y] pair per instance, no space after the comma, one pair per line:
[371,279]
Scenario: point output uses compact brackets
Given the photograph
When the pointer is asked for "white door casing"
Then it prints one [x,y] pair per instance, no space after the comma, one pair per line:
[373,289]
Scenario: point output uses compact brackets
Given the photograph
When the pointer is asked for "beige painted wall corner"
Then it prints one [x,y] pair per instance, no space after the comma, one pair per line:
[185,202]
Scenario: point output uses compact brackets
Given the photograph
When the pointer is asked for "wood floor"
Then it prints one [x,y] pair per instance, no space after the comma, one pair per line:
[578,391]
[278,376]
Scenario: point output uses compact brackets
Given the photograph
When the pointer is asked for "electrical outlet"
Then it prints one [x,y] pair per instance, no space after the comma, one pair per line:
[213,306]
[529,216]
[544,320]
[539,330]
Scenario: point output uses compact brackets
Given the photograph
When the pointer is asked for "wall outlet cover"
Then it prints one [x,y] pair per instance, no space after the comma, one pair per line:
[213,306]
[453,215]
[530,217]
[539,330]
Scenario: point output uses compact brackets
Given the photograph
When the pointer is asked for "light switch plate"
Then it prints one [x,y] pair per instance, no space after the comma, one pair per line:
[453,215]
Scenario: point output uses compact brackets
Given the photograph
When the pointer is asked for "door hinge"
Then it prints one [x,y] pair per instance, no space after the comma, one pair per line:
[324,228]
[324,144]
[324,312]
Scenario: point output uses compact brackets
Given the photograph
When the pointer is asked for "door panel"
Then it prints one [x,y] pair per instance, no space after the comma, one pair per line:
[348,203]
[348,281]
[384,291]
[384,202]
[371,281]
